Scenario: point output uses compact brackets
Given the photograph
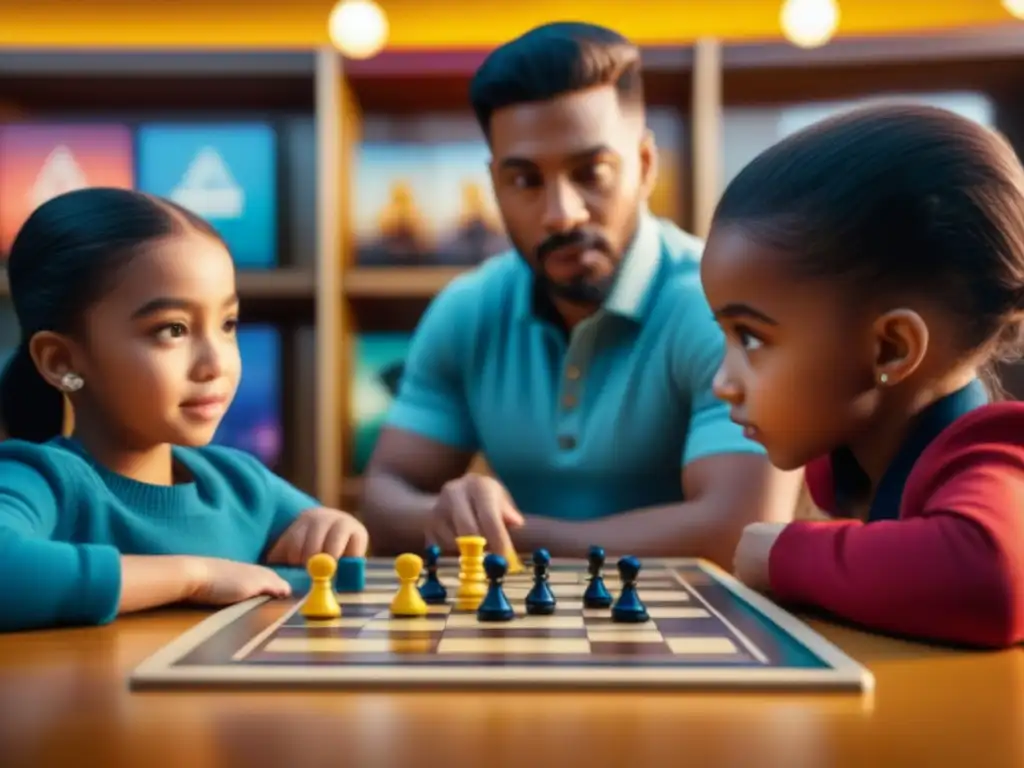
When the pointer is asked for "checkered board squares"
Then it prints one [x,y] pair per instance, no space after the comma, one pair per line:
[705,629]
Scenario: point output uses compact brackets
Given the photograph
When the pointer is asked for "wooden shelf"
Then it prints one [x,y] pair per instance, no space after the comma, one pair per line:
[283,283]
[286,283]
[398,282]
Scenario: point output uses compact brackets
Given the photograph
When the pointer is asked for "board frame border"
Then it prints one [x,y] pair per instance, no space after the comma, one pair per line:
[843,673]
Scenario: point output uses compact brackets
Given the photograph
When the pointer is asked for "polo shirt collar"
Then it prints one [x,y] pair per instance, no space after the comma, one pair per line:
[637,272]
[930,423]
[637,276]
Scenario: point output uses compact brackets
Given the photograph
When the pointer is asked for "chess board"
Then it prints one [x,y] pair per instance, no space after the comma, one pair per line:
[705,630]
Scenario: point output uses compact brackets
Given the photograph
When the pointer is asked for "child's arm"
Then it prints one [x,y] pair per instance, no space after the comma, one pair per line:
[51,583]
[48,583]
[951,570]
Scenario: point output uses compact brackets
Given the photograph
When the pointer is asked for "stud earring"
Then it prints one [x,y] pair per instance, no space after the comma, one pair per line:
[883,378]
[71,382]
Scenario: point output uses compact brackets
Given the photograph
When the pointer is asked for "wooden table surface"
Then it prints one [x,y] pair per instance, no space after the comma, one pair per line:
[64,701]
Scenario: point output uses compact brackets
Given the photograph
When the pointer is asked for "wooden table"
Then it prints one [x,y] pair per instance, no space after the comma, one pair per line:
[64,701]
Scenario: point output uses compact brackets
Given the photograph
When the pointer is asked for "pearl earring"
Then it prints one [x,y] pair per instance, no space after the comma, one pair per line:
[883,378]
[71,382]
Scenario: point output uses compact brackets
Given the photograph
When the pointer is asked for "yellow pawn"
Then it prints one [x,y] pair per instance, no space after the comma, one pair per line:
[408,601]
[321,602]
[515,565]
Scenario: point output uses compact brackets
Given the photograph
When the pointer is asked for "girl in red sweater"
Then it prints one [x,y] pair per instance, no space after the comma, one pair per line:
[868,272]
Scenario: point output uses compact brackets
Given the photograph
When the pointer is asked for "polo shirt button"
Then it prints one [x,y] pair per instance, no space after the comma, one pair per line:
[569,401]
[572,373]
[566,442]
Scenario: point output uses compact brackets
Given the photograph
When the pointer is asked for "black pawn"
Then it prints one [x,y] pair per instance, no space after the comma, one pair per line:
[541,600]
[432,590]
[597,595]
[495,606]
[628,608]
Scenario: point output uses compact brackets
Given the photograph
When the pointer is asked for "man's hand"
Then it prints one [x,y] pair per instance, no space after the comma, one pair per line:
[473,505]
[320,530]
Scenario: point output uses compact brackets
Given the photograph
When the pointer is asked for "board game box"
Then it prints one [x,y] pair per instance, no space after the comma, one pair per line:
[706,630]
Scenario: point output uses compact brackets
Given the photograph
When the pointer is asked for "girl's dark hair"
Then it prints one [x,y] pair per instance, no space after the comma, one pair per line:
[61,262]
[897,199]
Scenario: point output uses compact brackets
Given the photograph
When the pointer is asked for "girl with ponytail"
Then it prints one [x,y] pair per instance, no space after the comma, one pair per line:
[128,310]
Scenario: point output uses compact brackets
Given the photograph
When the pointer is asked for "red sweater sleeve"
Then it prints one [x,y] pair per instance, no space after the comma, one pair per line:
[951,568]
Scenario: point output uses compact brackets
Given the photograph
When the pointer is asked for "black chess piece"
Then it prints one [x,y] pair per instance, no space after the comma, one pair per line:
[541,600]
[628,608]
[596,595]
[432,590]
[495,606]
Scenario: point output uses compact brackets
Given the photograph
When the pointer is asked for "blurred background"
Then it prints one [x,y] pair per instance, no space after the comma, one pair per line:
[333,146]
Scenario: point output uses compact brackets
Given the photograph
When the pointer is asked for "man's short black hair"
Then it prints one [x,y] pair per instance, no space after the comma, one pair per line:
[553,60]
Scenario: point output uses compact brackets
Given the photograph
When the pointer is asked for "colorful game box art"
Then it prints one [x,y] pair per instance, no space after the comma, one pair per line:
[425,204]
[379,358]
[226,173]
[253,423]
[40,161]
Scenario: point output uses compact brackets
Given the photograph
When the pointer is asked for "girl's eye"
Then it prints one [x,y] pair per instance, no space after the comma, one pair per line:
[748,340]
[172,331]
[230,326]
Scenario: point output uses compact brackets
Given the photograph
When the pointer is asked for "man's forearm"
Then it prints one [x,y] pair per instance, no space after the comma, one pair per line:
[394,514]
[686,529]
[708,527]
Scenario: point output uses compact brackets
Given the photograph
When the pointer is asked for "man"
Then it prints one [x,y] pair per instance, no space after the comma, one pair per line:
[581,363]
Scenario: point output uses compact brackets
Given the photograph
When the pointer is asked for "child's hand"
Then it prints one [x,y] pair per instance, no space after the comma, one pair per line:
[320,530]
[222,582]
[750,563]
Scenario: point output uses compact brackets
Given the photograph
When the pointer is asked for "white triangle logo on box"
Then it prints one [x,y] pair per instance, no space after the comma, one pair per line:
[60,173]
[208,189]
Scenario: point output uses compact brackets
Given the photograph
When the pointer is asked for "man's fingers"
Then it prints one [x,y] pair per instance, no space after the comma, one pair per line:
[442,533]
[461,513]
[489,504]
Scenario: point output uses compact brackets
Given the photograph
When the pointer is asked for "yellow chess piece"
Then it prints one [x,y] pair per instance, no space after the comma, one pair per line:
[472,579]
[515,565]
[321,602]
[407,600]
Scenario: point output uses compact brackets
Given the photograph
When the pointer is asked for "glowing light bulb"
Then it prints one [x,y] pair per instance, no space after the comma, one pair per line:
[358,28]
[809,23]
[1014,8]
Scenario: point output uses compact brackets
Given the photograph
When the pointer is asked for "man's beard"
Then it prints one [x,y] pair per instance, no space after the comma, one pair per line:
[581,290]
[584,289]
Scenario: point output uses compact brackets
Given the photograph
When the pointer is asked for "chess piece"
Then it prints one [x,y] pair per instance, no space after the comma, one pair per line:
[515,565]
[432,590]
[495,606]
[407,600]
[597,595]
[541,600]
[321,602]
[628,608]
[472,581]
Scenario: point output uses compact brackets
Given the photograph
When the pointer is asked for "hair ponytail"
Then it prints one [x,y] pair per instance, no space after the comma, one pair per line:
[30,408]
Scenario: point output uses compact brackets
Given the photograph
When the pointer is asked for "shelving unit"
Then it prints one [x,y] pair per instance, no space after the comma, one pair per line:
[280,88]
[320,296]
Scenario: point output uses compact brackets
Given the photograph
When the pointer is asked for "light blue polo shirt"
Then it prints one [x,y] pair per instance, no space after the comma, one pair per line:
[582,425]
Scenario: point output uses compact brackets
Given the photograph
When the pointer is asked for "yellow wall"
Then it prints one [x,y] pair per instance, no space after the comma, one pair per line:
[448,23]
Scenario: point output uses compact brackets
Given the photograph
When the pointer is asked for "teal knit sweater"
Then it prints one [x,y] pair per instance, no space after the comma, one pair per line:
[65,521]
